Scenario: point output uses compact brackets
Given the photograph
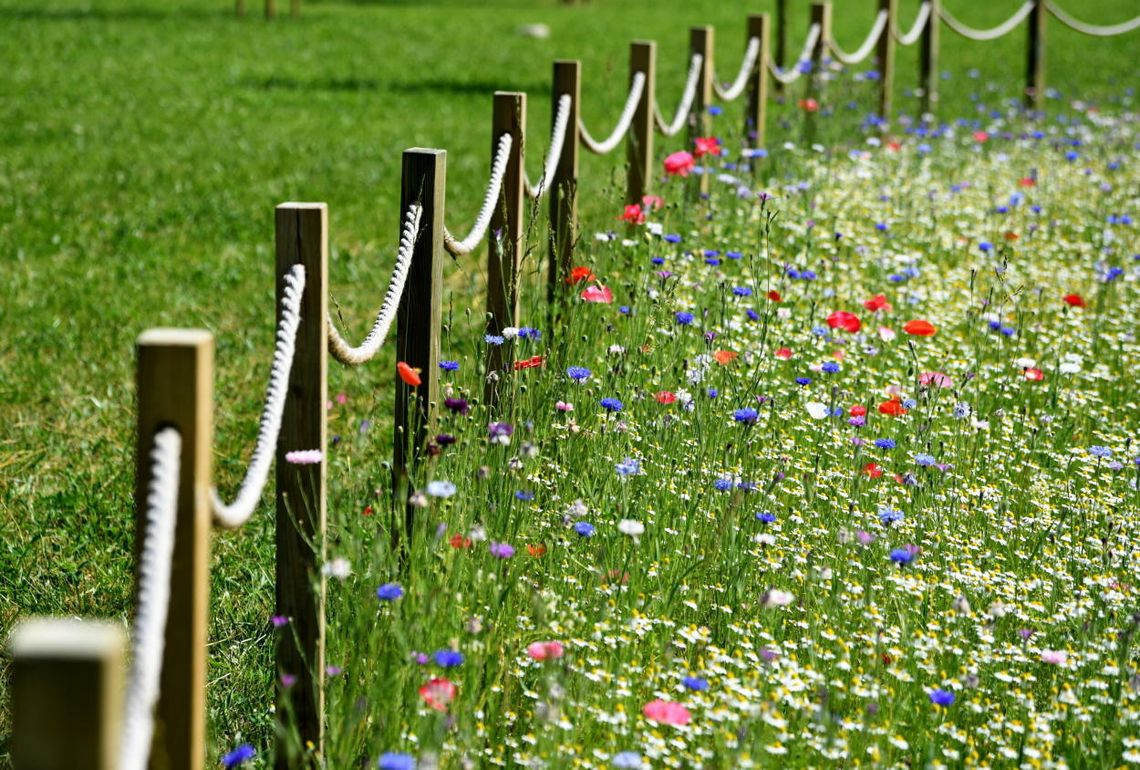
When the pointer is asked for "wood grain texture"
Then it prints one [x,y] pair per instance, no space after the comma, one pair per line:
[781,39]
[1035,58]
[175,387]
[756,106]
[639,143]
[302,238]
[701,40]
[66,690]
[885,53]
[564,186]
[928,60]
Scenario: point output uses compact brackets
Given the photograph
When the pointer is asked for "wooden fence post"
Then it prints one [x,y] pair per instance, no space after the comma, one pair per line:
[175,382]
[270,9]
[928,60]
[302,239]
[1035,58]
[295,8]
[418,321]
[66,690]
[700,122]
[756,111]
[564,185]
[639,143]
[886,54]
[821,15]
[781,39]
[505,238]
[240,8]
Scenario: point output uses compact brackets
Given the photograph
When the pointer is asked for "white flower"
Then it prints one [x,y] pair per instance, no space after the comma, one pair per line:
[776,598]
[442,489]
[1025,363]
[338,568]
[1056,657]
[817,410]
[631,527]
[885,334]
[510,332]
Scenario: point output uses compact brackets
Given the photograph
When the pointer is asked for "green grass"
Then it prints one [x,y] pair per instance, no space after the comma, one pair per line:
[144,146]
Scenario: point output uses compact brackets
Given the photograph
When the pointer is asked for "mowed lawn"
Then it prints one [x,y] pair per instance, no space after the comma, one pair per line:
[143,146]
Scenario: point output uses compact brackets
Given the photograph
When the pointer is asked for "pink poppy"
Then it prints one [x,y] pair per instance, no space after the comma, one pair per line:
[937,379]
[666,712]
[439,693]
[652,202]
[634,215]
[706,145]
[601,294]
[679,164]
[545,650]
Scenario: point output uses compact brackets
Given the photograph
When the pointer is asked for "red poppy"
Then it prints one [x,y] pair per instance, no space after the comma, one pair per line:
[459,541]
[873,470]
[410,376]
[893,407]
[1027,181]
[666,397]
[775,296]
[580,274]
[919,328]
[367,511]
[858,410]
[439,693]
[894,145]
[1010,235]
[536,550]
[529,363]
[877,302]
[1074,300]
[1033,374]
[602,294]
[981,136]
[633,214]
[724,356]
[679,164]
[784,354]
[706,145]
[841,319]
[809,105]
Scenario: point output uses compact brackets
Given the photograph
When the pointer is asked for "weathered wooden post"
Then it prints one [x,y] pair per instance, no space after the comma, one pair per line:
[564,186]
[928,59]
[700,122]
[1035,58]
[66,690]
[821,15]
[175,382]
[505,239]
[418,319]
[756,111]
[240,7]
[270,9]
[781,39]
[885,51]
[639,143]
[302,239]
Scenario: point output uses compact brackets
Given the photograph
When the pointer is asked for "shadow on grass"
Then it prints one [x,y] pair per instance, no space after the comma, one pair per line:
[32,13]
[352,84]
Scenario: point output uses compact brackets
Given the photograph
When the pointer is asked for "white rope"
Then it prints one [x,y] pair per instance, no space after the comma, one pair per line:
[746,67]
[148,636]
[868,45]
[238,512]
[794,73]
[352,356]
[1092,29]
[682,114]
[601,148]
[987,34]
[557,139]
[911,37]
[459,248]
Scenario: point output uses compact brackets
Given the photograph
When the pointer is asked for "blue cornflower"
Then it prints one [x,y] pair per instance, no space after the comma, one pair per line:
[624,309]
[712,392]
[715,110]
[524,495]
[494,339]
[584,529]
[747,415]
[734,254]
[527,333]
[238,756]
[902,556]
[611,404]
[885,443]
[712,252]
[752,314]
[395,761]
[722,485]
[628,467]
[697,683]
[578,373]
[924,459]
[658,260]
[672,238]
[389,592]
[684,318]
[447,658]
[940,697]
[909,403]
[803,380]
[766,517]
[449,366]
[808,275]
[1100,451]
[742,291]
[626,760]
[985,247]
[889,516]
[830,367]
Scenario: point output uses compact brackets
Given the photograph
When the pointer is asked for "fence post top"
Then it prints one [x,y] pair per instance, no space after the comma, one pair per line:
[758,16]
[424,151]
[65,638]
[650,43]
[576,62]
[175,337]
[511,93]
[301,205]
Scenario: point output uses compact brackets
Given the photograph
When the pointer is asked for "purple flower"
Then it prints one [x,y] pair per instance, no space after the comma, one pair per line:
[239,756]
[502,550]
[457,405]
[940,697]
[447,658]
[389,592]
